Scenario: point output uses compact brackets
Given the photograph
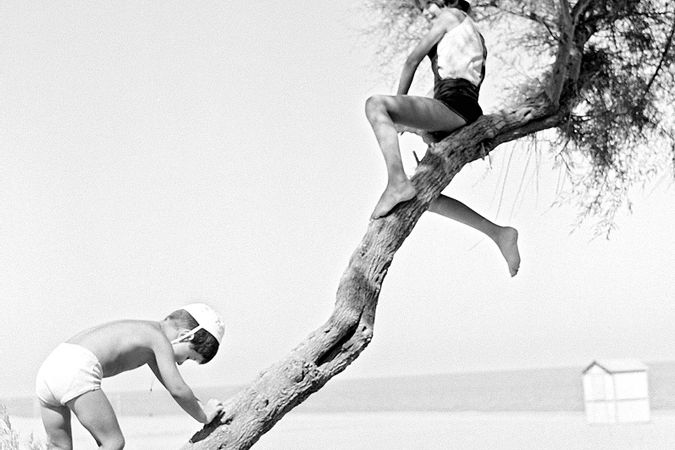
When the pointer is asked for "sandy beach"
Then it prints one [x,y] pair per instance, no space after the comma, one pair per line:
[407,430]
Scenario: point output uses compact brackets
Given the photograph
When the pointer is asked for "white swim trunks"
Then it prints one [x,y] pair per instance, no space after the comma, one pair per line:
[68,372]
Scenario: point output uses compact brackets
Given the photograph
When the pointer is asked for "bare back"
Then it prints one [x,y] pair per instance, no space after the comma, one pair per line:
[122,345]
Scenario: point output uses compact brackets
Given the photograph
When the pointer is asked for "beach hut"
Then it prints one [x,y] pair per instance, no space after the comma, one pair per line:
[616,391]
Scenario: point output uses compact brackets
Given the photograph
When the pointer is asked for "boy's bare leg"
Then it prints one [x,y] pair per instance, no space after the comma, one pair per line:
[56,420]
[506,238]
[95,413]
[399,188]
[383,113]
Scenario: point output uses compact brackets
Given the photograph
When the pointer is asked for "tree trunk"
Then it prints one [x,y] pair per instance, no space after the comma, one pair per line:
[332,347]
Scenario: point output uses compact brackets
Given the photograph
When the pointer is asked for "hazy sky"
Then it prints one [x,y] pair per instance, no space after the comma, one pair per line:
[154,154]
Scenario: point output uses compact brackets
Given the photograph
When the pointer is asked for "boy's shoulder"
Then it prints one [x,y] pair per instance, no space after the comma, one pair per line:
[451,17]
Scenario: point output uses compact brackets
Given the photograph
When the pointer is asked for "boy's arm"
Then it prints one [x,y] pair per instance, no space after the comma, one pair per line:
[155,370]
[165,369]
[441,26]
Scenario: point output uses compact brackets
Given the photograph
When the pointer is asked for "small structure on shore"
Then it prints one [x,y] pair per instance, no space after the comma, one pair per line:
[616,391]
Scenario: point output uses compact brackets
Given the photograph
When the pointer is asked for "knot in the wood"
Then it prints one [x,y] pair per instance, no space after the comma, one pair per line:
[296,371]
[262,403]
[367,333]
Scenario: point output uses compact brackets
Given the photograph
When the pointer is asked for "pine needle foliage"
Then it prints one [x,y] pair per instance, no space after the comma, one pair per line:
[621,107]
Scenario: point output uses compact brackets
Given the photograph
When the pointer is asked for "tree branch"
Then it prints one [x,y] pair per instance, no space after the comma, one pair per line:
[536,18]
[580,8]
[565,44]
[661,61]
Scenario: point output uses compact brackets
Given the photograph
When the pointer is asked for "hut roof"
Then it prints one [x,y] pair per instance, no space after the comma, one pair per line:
[618,365]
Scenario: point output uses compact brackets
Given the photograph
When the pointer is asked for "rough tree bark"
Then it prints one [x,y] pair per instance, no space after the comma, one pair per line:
[333,346]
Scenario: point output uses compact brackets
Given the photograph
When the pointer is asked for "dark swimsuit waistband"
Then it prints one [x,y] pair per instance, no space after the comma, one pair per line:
[443,87]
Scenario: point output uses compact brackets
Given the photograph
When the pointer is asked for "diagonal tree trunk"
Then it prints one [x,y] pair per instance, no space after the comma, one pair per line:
[333,346]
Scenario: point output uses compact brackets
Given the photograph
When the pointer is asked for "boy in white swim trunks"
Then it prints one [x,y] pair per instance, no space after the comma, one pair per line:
[70,377]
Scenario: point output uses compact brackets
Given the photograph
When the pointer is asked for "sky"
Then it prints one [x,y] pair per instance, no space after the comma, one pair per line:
[154,154]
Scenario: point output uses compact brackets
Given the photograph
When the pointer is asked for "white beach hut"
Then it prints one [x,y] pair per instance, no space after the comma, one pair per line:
[616,391]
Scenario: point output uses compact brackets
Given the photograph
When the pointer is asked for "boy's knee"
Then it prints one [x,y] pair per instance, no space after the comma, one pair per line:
[375,106]
[113,443]
[119,443]
[59,444]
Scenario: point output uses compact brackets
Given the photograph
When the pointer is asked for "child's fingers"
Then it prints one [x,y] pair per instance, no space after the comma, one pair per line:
[226,417]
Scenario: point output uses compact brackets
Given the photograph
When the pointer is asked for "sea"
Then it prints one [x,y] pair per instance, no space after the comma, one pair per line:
[546,389]
[540,409]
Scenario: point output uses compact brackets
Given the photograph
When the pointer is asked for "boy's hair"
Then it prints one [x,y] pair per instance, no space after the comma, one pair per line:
[202,342]
[459,4]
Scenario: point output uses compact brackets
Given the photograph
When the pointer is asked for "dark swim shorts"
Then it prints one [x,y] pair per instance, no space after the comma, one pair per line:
[460,96]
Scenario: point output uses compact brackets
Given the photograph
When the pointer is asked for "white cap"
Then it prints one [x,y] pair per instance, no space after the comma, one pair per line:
[207,318]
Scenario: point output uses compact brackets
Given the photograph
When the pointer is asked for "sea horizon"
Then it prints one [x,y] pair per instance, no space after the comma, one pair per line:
[537,390]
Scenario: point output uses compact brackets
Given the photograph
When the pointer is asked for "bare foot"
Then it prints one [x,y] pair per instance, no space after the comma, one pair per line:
[507,241]
[392,196]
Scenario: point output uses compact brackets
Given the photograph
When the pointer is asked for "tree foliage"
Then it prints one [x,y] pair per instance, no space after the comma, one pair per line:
[618,131]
